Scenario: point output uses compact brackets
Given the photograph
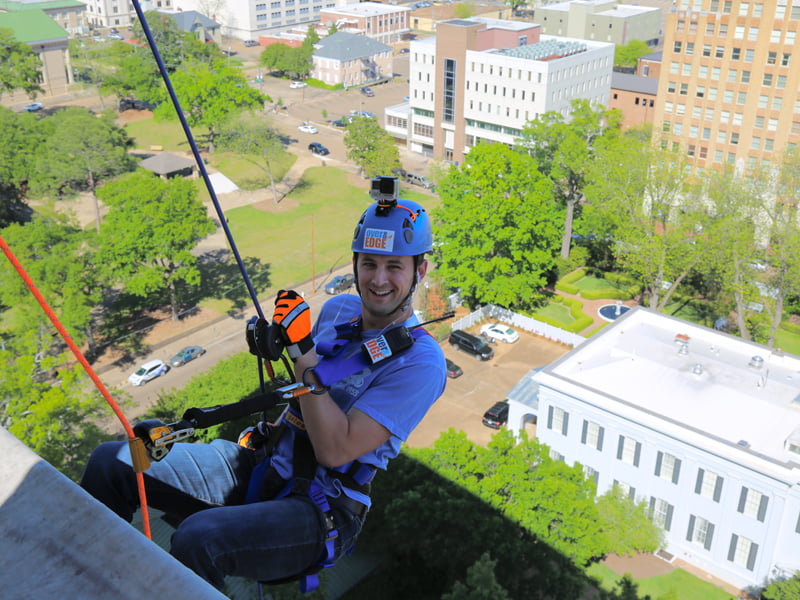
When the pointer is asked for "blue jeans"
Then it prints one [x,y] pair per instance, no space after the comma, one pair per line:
[203,486]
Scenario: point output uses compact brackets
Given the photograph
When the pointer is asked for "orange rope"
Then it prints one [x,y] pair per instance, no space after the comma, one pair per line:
[133,441]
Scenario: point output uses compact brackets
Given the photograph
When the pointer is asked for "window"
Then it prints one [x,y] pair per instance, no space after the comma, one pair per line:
[684,89]
[448,100]
[668,467]
[708,484]
[592,435]
[767,80]
[753,503]
[629,450]
[689,48]
[700,531]
[701,91]
[743,552]
[591,473]
[755,143]
[630,492]
[736,53]
[661,513]
[772,58]
[759,122]
[557,419]
[745,77]
[706,49]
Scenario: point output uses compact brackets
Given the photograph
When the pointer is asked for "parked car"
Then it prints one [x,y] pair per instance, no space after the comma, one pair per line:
[115,36]
[461,340]
[453,370]
[307,129]
[361,113]
[420,180]
[114,30]
[296,85]
[149,370]
[501,332]
[250,43]
[35,106]
[400,173]
[340,283]
[367,92]
[404,50]
[319,149]
[185,355]
[340,122]
[497,415]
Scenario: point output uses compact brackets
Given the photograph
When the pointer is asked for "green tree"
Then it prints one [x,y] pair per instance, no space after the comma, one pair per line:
[253,137]
[20,67]
[59,257]
[81,150]
[370,147]
[150,230]
[333,28]
[275,57]
[788,589]
[20,135]
[497,228]
[625,524]
[231,95]
[481,583]
[629,54]
[564,149]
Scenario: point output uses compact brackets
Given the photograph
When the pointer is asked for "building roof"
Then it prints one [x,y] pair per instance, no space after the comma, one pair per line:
[546,49]
[19,5]
[166,163]
[31,26]
[634,83]
[187,19]
[348,46]
[690,382]
[653,56]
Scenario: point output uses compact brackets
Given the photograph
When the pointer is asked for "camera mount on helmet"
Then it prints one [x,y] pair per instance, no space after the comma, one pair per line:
[385,191]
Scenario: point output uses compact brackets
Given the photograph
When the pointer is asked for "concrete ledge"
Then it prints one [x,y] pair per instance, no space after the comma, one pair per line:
[59,542]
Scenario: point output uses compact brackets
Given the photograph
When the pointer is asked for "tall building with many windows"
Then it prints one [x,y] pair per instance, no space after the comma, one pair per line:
[729,90]
[484,79]
[702,426]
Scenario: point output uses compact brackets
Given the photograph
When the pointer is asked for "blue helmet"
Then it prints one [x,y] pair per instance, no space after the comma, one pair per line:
[394,228]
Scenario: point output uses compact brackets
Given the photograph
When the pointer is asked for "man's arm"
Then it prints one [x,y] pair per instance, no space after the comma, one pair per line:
[337,438]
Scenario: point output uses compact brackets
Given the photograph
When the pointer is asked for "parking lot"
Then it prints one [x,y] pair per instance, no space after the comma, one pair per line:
[483,383]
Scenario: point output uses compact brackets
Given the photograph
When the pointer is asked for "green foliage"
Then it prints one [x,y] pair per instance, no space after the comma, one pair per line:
[626,526]
[567,283]
[629,54]
[20,67]
[231,96]
[788,589]
[481,583]
[283,59]
[492,248]
[150,230]
[231,380]
[370,147]
[81,149]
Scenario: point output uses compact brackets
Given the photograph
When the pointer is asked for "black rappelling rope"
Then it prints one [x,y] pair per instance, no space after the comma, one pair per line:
[198,159]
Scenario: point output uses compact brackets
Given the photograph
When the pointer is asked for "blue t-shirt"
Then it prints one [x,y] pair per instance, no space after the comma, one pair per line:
[396,392]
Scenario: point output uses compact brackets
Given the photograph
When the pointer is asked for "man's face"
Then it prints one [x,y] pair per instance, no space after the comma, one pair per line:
[384,283]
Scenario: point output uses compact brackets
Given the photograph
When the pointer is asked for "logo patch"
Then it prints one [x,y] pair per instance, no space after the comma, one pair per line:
[378,239]
[377,349]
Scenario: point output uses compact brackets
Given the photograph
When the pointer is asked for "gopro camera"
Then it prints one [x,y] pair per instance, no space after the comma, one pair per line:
[385,190]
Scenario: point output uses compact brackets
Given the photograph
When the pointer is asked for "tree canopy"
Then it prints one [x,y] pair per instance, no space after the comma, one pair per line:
[20,66]
[370,147]
[497,229]
[150,230]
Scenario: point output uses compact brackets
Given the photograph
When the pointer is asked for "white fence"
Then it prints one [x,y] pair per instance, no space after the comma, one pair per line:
[520,322]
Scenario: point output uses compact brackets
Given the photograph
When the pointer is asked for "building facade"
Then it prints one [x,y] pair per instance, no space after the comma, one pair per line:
[484,79]
[350,59]
[702,426]
[729,90]
[601,20]
[67,14]
[382,22]
[635,97]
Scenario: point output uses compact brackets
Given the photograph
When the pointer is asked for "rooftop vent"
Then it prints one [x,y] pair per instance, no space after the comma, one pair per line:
[697,369]
[683,350]
[681,338]
[756,362]
[744,443]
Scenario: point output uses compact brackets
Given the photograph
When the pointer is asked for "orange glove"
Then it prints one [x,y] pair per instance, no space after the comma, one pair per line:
[292,316]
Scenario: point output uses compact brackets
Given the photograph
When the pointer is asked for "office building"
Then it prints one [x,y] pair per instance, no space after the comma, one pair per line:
[728,90]
[484,79]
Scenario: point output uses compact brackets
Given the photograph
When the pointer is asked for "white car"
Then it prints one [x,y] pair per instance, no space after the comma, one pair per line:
[501,332]
[296,85]
[307,129]
[149,370]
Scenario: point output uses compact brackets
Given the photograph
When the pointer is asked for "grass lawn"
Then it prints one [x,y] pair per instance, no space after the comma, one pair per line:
[677,585]
[788,342]
[557,311]
[312,238]
[249,176]
[167,134]
[595,283]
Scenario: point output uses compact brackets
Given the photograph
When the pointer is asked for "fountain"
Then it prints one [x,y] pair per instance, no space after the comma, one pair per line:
[610,312]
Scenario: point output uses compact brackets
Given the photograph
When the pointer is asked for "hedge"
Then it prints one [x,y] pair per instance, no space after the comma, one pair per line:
[566,283]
